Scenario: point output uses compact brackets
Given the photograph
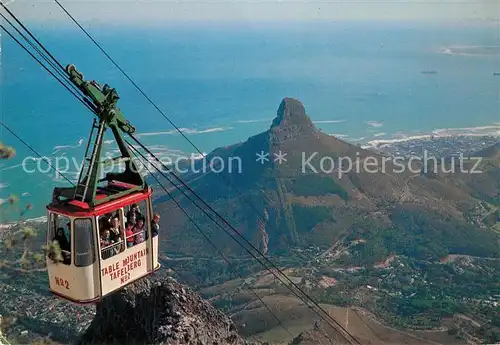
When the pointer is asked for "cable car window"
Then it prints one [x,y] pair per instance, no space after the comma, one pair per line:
[84,242]
[111,234]
[60,232]
[137,226]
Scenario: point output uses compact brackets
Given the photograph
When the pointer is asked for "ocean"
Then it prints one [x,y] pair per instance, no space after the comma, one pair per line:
[360,81]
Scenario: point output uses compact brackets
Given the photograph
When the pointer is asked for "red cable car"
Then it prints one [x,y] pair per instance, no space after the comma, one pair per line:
[102,234]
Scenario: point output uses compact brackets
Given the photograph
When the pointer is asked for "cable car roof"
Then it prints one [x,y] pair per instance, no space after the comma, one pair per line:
[77,208]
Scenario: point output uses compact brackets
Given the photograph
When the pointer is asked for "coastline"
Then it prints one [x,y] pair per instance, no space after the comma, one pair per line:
[479,51]
[36,220]
[482,131]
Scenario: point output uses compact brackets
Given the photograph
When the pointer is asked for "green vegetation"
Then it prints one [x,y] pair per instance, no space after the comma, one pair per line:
[335,295]
[204,272]
[420,235]
[438,291]
[316,185]
[306,218]
[419,294]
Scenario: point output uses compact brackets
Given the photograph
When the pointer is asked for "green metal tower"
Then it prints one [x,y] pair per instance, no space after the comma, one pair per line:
[103,101]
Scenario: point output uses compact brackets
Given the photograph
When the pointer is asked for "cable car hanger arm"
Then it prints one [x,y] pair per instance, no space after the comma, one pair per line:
[103,101]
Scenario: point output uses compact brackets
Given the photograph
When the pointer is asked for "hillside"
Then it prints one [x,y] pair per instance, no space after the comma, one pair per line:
[485,185]
[303,201]
[492,152]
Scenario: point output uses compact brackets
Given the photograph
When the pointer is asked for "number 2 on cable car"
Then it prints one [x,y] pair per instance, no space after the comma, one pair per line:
[62,282]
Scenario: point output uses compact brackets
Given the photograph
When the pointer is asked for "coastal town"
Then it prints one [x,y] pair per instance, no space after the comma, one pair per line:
[437,146]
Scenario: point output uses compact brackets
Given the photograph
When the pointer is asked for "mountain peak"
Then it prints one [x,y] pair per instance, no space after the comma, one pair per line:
[159,311]
[291,112]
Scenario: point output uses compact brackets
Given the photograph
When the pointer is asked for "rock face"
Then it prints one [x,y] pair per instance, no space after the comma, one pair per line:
[159,312]
[291,112]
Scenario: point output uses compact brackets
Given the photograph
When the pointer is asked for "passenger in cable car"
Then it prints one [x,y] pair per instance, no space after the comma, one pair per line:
[105,238]
[139,231]
[115,229]
[131,211]
[155,226]
[105,221]
[132,219]
[105,243]
[134,210]
[64,244]
[116,234]
[60,237]
[139,215]
[68,231]
[129,234]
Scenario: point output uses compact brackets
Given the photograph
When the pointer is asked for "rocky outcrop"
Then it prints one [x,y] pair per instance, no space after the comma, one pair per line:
[159,311]
[264,236]
[291,122]
[291,112]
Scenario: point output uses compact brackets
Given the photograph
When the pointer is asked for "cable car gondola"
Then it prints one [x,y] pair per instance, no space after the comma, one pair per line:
[96,255]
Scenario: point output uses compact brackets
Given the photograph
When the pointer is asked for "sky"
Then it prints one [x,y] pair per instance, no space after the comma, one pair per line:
[164,11]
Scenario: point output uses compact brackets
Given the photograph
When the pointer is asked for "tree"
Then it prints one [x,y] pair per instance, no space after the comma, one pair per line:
[6,152]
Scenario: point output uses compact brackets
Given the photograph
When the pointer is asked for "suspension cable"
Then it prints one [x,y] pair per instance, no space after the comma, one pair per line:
[209,207]
[303,298]
[207,238]
[35,152]
[60,72]
[48,70]
[31,35]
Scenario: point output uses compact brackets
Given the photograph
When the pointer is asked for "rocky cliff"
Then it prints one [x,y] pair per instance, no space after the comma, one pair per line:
[159,311]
